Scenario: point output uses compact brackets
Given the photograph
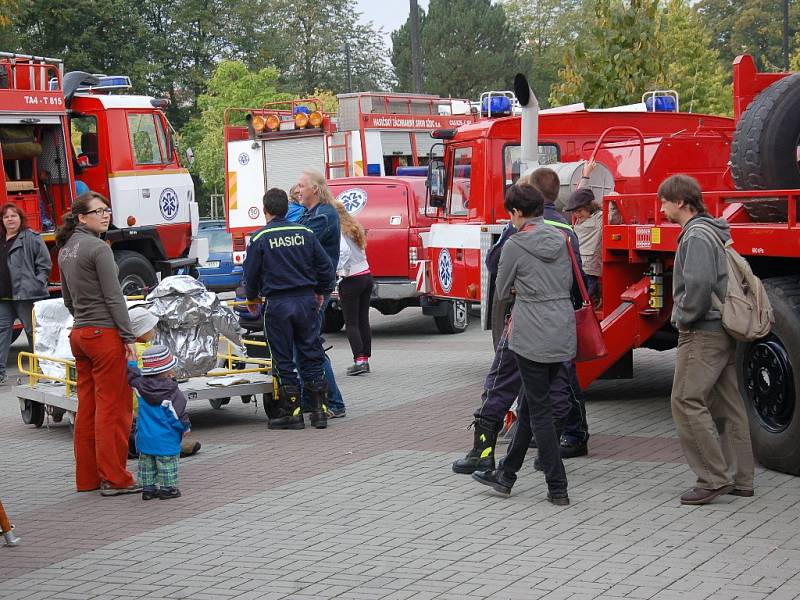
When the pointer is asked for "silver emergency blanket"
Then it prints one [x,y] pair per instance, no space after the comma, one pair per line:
[51,335]
[190,321]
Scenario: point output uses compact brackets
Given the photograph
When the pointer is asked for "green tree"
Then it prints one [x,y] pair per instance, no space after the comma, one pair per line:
[547,28]
[753,27]
[231,85]
[467,47]
[306,44]
[618,57]
[694,68]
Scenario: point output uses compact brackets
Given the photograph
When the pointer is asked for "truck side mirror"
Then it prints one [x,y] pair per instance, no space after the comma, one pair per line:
[190,156]
[437,183]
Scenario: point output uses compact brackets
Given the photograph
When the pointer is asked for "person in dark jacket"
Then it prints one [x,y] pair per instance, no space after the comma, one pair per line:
[24,270]
[287,266]
[536,264]
[162,421]
[323,219]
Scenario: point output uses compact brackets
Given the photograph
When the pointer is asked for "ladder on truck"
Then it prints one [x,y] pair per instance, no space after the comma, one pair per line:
[330,154]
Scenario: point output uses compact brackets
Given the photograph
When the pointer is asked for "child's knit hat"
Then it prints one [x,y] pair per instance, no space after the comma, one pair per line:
[157,359]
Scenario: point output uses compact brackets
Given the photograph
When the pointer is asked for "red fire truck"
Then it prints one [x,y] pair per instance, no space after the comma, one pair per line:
[748,164]
[61,131]
[360,149]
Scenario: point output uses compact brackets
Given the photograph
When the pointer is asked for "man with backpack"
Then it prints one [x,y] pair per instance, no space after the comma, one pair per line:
[707,408]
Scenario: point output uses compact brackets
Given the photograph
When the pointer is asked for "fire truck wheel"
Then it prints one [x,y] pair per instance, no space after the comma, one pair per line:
[333,320]
[456,319]
[33,413]
[768,381]
[135,272]
[764,147]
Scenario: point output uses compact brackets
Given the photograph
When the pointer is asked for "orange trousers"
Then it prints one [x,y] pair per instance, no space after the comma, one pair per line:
[104,417]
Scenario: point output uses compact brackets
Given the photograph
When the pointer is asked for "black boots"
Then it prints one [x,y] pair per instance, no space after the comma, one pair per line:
[285,412]
[317,394]
[481,456]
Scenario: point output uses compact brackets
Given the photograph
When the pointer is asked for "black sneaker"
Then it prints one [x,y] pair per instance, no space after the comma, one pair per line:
[336,413]
[169,493]
[570,447]
[358,369]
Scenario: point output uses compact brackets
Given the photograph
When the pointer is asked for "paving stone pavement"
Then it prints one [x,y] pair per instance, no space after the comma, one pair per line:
[369,508]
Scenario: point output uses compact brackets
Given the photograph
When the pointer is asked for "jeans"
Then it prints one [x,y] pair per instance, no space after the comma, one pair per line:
[10,310]
[335,401]
[536,418]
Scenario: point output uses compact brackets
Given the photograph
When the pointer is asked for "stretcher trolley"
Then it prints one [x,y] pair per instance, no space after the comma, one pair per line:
[54,396]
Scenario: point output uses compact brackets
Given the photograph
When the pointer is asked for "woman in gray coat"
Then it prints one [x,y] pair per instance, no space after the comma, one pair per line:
[535,266]
[24,270]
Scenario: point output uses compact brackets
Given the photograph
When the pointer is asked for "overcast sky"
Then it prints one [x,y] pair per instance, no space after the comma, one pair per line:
[389,14]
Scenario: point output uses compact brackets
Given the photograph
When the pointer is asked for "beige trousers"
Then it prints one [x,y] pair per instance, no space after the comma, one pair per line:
[709,412]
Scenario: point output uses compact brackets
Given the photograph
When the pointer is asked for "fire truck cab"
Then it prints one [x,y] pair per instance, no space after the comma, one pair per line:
[61,134]
[749,170]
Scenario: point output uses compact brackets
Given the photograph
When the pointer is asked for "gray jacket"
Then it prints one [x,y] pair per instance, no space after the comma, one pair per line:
[536,264]
[700,269]
[29,264]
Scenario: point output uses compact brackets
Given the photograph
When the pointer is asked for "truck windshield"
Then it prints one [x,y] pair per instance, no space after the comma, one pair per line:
[548,155]
[462,180]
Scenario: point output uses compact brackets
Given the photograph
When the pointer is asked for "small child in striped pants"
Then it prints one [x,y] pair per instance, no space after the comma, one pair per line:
[161,423]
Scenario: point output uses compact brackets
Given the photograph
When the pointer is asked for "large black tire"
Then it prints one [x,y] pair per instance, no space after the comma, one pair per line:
[33,413]
[769,376]
[764,147]
[333,320]
[135,272]
[456,319]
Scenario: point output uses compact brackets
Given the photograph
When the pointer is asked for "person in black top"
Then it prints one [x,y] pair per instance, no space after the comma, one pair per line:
[287,266]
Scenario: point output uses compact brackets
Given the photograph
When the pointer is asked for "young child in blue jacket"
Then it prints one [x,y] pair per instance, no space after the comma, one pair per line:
[161,422]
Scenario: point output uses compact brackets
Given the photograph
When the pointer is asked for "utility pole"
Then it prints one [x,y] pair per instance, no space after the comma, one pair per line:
[786,34]
[416,59]
[347,64]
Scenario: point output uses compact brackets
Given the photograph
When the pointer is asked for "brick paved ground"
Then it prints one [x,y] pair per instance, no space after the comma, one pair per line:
[369,508]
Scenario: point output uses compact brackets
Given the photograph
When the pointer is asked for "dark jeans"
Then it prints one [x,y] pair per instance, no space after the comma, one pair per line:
[335,400]
[291,328]
[504,382]
[354,295]
[536,418]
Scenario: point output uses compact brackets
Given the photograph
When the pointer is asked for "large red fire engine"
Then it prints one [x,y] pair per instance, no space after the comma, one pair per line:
[60,131]
[756,150]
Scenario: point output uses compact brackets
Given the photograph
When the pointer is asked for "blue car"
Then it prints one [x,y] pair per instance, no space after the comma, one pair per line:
[219,273]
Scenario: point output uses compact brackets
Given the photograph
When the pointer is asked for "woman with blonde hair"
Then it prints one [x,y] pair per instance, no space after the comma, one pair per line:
[355,289]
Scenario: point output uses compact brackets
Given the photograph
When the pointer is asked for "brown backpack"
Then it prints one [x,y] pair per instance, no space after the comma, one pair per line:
[746,309]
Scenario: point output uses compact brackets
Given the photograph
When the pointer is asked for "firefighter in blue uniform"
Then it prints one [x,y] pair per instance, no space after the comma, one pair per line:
[288,267]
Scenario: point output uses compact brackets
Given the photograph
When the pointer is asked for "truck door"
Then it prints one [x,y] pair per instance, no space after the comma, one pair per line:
[383,211]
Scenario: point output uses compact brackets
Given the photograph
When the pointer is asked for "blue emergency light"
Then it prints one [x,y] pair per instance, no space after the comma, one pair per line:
[496,106]
[412,171]
[302,109]
[661,104]
[373,169]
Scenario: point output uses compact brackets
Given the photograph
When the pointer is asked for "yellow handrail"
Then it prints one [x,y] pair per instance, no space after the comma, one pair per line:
[34,372]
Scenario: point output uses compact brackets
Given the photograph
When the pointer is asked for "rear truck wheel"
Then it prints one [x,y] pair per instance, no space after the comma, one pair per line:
[32,413]
[764,147]
[499,310]
[455,319]
[218,403]
[135,272]
[769,376]
[333,320]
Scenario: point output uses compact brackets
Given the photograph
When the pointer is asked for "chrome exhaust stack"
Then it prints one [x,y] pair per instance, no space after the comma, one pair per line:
[529,128]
